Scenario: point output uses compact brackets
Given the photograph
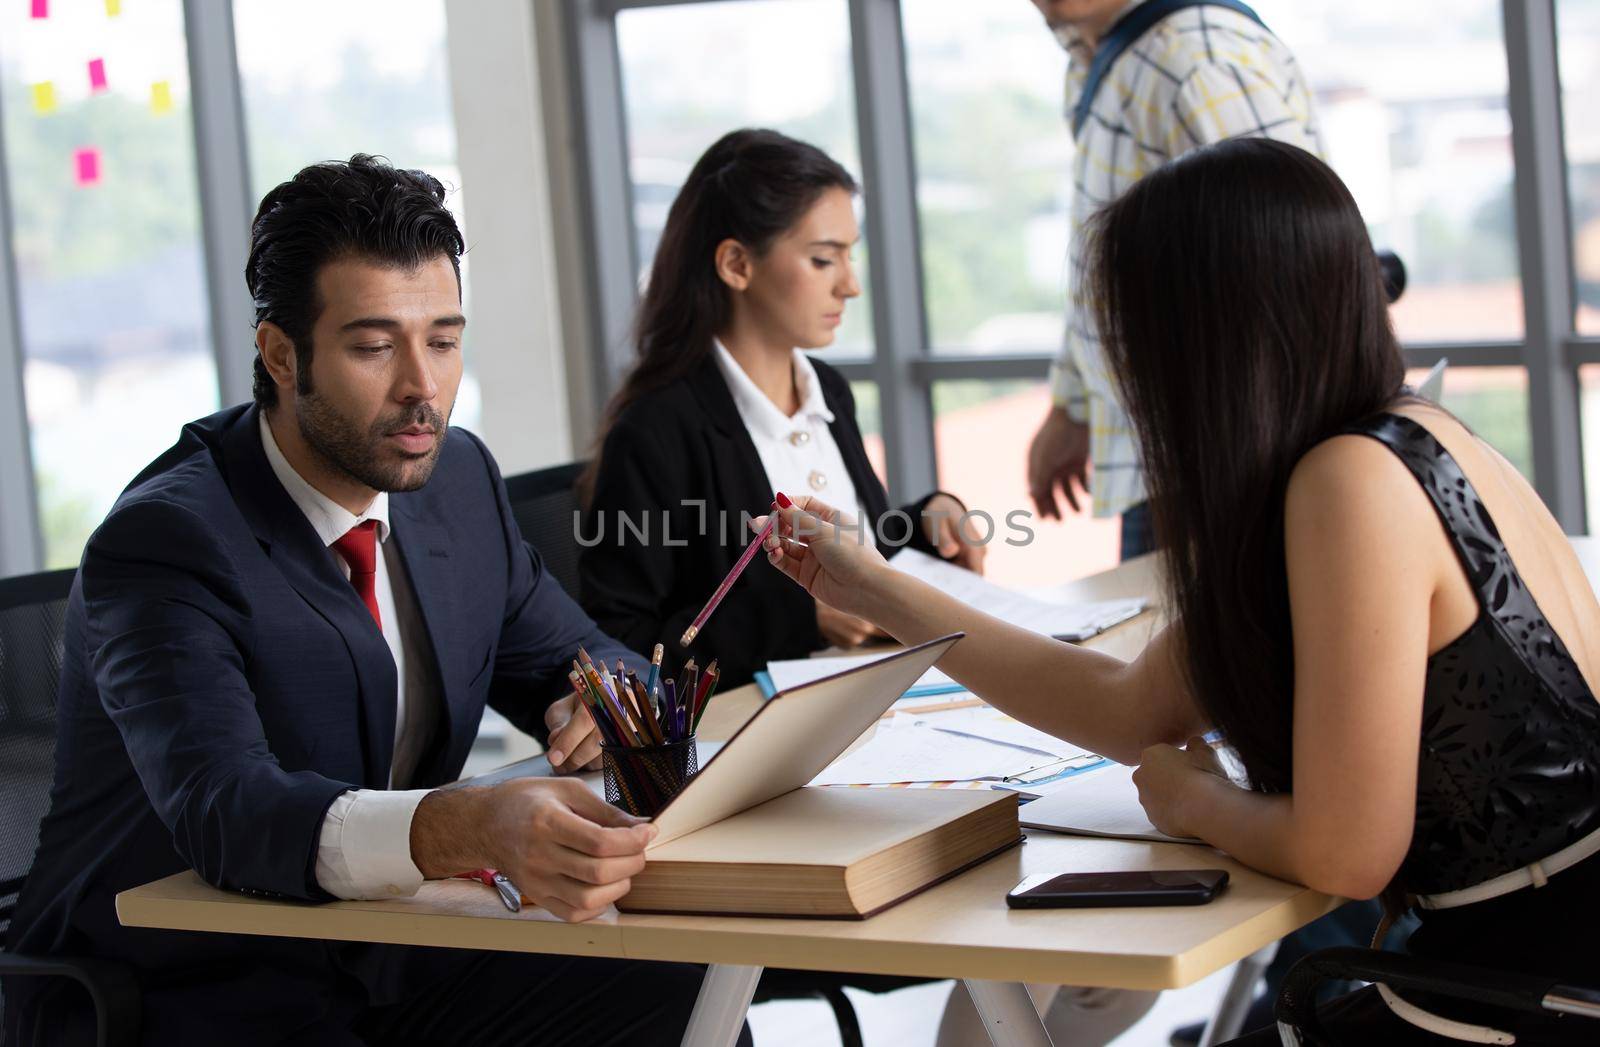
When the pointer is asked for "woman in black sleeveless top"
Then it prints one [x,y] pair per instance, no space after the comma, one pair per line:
[1345,608]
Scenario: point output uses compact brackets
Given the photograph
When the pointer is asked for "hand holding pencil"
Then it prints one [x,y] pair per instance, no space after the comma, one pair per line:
[819,547]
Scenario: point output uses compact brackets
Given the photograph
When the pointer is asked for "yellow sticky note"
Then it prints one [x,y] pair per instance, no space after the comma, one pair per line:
[161,97]
[113,8]
[44,97]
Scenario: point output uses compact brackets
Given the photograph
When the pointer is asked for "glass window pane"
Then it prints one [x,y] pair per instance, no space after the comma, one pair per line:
[870,421]
[1412,100]
[1412,104]
[981,434]
[116,336]
[373,77]
[1579,42]
[692,73]
[1493,402]
[994,178]
[1589,385]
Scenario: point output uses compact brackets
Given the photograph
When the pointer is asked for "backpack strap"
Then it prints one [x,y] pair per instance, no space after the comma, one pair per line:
[1126,32]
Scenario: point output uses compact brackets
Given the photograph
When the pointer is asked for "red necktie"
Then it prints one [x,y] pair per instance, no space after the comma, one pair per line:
[359,547]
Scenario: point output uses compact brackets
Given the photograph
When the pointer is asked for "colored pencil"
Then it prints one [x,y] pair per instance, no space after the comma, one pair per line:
[707,678]
[733,575]
[602,721]
[654,678]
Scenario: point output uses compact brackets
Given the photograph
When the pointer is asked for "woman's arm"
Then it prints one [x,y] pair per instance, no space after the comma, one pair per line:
[1112,707]
[1364,556]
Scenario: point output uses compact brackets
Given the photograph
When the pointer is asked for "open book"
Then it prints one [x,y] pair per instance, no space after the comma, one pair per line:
[748,836]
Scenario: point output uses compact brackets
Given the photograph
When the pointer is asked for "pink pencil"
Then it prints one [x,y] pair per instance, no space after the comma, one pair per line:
[733,576]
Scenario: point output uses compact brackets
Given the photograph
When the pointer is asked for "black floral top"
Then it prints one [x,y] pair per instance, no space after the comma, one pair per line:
[1510,760]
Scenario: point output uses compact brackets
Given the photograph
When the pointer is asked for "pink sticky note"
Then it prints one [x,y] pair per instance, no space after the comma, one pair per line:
[97,74]
[88,161]
[41,8]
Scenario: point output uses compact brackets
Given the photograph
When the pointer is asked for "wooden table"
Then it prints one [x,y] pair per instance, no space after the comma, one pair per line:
[960,929]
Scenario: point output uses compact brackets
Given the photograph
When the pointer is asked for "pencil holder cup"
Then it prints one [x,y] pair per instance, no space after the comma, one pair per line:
[641,780]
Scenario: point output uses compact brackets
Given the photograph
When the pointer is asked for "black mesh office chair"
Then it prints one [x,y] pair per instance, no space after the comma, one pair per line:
[544,503]
[1296,1006]
[33,611]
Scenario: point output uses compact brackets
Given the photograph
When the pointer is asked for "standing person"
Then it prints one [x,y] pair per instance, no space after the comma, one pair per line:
[1181,74]
[725,406]
[280,643]
[1374,607]
[1199,73]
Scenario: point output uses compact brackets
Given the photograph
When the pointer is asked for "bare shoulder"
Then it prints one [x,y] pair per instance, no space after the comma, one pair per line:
[1352,487]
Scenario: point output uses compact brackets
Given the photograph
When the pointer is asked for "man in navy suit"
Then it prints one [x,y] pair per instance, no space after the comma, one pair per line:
[280,644]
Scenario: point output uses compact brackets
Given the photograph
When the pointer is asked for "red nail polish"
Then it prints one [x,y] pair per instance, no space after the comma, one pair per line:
[783,500]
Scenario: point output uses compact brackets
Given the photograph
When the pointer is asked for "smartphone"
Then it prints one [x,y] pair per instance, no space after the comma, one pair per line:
[1086,890]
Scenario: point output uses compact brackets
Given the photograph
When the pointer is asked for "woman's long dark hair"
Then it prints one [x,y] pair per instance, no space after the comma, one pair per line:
[751,186]
[1243,313]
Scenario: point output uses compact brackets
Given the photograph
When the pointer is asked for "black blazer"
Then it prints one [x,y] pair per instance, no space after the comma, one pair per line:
[686,442]
[223,683]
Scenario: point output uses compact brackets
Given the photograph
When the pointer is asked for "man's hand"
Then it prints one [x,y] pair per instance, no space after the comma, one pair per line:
[563,846]
[574,741]
[1058,458]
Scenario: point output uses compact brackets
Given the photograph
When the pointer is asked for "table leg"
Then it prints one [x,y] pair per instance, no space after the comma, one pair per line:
[1228,1019]
[1008,1014]
[720,1009]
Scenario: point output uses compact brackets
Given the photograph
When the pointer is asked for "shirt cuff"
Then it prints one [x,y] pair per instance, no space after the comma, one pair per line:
[364,847]
[1067,391]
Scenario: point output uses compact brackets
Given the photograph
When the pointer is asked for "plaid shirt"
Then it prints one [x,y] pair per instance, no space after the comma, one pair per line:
[1200,75]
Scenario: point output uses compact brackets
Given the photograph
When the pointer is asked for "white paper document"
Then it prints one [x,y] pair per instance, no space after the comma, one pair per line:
[918,753]
[1064,621]
[1103,802]
[990,724]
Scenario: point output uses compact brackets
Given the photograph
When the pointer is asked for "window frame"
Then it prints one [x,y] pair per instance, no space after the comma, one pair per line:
[903,365]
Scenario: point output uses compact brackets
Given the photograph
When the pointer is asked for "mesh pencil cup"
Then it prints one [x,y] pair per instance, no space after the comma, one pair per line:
[641,779]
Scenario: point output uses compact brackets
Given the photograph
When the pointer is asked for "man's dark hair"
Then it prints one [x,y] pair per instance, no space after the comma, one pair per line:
[364,209]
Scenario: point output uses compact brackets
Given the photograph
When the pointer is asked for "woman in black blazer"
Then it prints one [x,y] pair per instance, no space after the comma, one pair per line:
[723,409]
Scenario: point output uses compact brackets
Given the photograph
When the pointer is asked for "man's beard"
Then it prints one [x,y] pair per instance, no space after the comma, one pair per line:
[359,454]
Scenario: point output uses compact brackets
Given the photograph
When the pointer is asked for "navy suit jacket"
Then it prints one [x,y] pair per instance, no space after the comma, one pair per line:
[223,683]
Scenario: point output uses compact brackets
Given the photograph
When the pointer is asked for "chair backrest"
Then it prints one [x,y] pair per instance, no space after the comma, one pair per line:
[545,504]
[33,611]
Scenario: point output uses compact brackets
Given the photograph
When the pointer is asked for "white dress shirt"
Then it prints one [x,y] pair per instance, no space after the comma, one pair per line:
[364,847]
[797,451]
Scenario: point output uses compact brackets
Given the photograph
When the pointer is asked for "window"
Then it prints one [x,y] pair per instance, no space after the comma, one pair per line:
[1412,100]
[1492,402]
[691,73]
[869,420]
[371,78]
[1589,399]
[982,429]
[1579,24]
[994,174]
[116,340]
